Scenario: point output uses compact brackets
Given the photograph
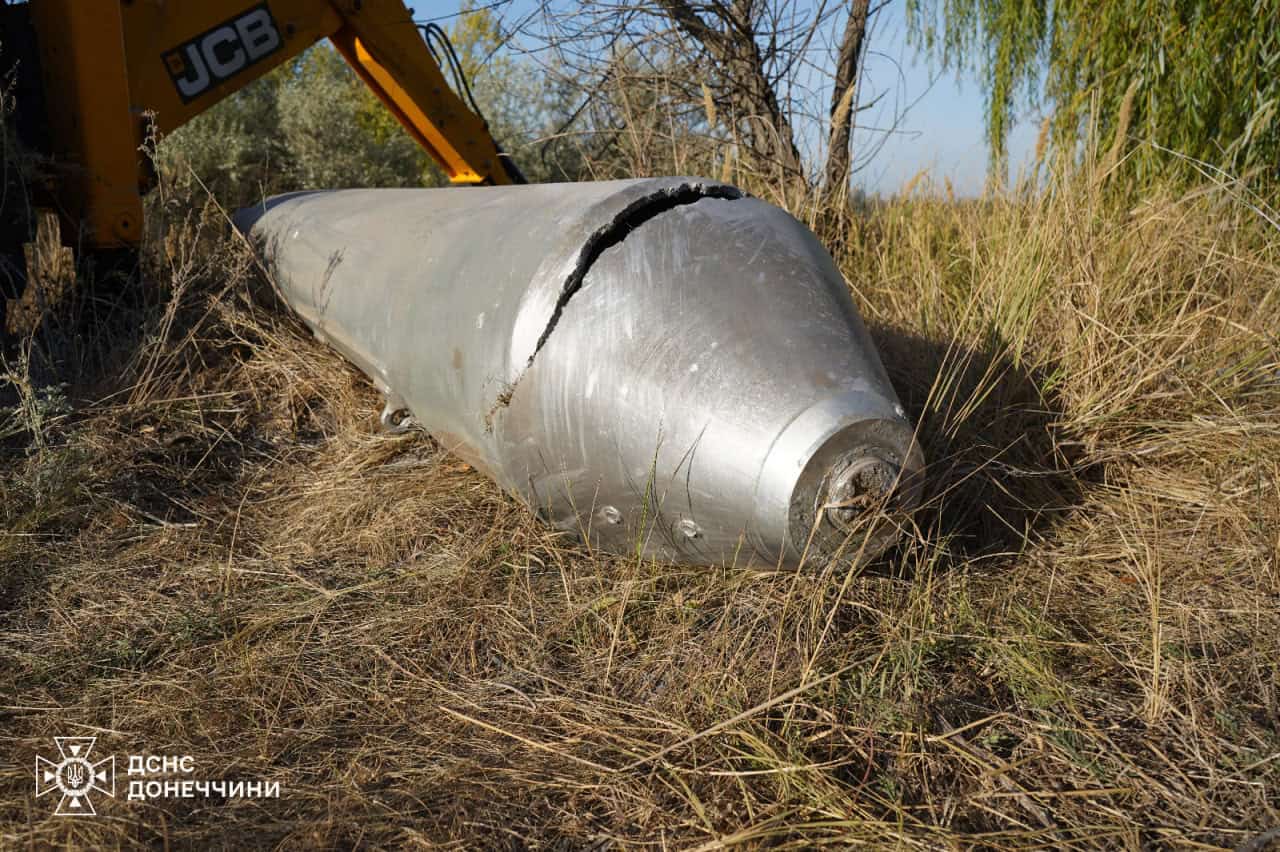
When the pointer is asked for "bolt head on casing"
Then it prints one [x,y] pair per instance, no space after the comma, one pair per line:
[688,528]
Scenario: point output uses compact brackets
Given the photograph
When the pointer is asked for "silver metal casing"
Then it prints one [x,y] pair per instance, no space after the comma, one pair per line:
[665,366]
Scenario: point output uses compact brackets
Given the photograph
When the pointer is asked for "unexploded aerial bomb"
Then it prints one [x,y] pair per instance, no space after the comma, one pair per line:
[664,366]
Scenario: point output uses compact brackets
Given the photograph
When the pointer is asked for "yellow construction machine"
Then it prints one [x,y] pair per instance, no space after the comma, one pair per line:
[96,79]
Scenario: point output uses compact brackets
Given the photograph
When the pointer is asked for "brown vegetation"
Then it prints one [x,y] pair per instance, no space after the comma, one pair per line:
[212,550]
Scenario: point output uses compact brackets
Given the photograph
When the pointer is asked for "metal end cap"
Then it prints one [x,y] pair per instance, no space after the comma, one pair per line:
[856,494]
[860,483]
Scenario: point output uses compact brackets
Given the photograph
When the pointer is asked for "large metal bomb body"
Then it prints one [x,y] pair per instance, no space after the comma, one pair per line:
[664,366]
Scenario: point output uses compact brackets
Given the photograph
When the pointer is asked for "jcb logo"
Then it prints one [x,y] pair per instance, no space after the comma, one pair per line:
[222,52]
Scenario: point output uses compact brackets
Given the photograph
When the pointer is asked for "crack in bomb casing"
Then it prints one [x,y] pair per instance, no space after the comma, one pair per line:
[707,379]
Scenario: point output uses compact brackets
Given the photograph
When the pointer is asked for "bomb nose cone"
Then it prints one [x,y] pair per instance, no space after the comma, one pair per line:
[661,366]
[851,472]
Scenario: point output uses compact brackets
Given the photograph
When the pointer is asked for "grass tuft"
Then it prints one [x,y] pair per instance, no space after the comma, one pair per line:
[212,550]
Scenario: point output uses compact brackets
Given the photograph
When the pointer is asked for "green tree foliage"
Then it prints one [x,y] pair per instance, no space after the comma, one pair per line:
[237,144]
[1199,77]
[337,133]
[313,124]
[309,124]
[522,105]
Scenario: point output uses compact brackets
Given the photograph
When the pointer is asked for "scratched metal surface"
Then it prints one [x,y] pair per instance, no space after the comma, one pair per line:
[663,365]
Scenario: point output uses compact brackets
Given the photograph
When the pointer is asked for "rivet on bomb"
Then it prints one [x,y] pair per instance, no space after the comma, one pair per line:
[688,528]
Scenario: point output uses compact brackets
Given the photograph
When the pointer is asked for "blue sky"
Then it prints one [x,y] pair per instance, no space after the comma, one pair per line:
[942,131]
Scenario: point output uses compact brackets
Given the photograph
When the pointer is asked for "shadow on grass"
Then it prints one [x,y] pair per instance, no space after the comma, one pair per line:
[1002,469]
[103,420]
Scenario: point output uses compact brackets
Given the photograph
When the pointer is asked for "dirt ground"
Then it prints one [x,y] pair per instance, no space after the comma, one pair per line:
[210,550]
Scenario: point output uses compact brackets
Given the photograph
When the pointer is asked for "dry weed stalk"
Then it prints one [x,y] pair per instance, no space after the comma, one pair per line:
[1075,647]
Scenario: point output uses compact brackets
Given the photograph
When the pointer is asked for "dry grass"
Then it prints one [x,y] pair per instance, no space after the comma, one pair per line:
[222,557]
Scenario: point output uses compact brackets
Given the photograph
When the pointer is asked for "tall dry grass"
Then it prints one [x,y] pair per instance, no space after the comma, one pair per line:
[214,552]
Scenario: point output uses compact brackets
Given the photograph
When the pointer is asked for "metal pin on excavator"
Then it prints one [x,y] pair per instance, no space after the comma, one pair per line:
[664,366]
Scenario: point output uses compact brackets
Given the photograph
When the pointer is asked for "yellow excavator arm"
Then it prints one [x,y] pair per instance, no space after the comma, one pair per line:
[115,70]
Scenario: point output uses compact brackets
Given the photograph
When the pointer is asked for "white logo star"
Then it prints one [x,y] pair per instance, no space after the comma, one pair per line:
[75,776]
